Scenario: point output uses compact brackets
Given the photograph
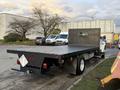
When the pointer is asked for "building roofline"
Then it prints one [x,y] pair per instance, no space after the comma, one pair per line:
[64,22]
[90,20]
[17,15]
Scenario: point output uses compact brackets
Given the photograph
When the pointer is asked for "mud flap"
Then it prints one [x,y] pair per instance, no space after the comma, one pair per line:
[70,66]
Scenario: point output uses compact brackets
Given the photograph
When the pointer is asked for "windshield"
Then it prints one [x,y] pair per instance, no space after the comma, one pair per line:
[51,36]
[63,36]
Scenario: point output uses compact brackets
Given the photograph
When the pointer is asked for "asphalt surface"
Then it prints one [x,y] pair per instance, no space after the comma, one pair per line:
[56,80]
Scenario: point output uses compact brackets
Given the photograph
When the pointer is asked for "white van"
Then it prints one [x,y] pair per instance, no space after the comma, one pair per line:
[62,38]
[51,39]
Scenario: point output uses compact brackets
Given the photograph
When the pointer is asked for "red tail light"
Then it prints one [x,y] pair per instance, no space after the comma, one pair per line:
[45,66]
[18,62]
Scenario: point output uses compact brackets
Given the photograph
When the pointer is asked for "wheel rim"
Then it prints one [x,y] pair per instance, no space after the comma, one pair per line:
[82,65]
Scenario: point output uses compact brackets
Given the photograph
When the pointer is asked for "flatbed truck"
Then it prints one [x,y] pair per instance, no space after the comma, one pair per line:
[83,44]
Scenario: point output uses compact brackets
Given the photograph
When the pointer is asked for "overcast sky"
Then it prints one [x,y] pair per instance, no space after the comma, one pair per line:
[75,9]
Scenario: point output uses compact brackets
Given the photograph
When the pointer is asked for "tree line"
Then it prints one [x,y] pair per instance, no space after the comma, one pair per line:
[48,23]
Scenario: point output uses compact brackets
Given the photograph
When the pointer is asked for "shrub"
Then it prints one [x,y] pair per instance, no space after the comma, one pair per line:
[12,37]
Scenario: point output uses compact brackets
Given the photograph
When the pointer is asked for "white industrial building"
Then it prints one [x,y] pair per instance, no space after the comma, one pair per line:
[5,20]
[107,26]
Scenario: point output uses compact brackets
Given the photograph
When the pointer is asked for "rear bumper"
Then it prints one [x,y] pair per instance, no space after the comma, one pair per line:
[31,69]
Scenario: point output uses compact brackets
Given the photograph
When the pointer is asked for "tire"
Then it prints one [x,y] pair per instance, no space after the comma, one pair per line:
[80,66]
[37,44]
[102,55]
[53,43]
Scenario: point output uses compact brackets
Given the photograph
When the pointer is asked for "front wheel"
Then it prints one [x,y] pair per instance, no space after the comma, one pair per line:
[53,43]
[80,66]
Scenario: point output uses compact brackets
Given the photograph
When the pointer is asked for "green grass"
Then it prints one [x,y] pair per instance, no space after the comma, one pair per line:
[29,42]
[91,81]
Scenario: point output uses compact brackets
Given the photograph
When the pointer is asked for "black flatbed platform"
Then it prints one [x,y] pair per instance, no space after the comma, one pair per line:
[83,44]
[55,50]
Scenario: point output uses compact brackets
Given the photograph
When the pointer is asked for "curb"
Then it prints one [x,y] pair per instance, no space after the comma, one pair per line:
[92,68]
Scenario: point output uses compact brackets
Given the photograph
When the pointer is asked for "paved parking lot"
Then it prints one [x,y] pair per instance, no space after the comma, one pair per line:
[56,80]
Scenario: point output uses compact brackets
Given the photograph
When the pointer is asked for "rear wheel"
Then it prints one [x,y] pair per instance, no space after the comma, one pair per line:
[37,44]
[53,43]
[80,66]
[103,55]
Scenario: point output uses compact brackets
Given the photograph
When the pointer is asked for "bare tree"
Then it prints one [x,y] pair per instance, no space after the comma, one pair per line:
[47,22]
[56,31]
[21,27]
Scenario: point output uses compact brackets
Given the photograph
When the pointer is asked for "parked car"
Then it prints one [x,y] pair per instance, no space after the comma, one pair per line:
[51,39]
[39,41]
[62,38]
